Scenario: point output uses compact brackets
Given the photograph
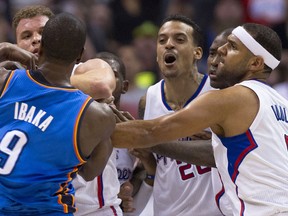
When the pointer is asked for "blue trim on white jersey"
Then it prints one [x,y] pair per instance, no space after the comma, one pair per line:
[199,89]
[238,147]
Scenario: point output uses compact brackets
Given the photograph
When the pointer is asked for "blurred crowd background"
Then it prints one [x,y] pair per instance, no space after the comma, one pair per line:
[129,28]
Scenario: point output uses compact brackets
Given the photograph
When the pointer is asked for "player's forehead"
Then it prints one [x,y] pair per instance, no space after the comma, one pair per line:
[115,67]
[219,41]
[175,27]
[32,23]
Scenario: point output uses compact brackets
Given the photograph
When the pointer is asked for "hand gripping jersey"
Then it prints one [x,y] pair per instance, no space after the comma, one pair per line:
[254,165]
[99,196]
[181,188]
[38,146]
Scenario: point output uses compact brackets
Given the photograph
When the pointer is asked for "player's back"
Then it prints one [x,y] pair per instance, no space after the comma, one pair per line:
[38,151]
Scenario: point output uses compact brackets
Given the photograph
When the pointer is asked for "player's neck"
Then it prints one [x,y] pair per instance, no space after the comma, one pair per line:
[57,75]
[179,91]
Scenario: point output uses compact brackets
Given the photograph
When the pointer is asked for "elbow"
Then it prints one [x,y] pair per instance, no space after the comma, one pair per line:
[87,176]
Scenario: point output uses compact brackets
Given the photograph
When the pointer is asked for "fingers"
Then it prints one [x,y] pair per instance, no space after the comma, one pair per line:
[32,65]
[125,194]
[11,65]
[109,101]
[121,116]
[128,115]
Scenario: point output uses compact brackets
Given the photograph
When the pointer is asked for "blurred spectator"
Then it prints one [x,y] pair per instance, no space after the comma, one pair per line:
[184,7]
[18,4]
[129,101]
[279,79]
[7,34]
[266,12]
[128,14]
[5,27]
[203,12]
[144,42]
[78,9]
[282,29]
[99,23]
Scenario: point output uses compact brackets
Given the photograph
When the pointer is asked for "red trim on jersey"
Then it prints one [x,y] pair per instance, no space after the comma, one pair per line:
[114,210]
[100,191]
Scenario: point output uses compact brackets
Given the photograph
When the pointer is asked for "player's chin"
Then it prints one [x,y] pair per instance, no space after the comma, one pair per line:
[214,83]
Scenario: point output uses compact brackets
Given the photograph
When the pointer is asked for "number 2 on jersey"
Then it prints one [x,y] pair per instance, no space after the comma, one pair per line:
[187,170]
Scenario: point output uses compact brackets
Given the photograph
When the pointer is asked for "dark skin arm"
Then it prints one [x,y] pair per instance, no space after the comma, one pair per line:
[12,52]
[198,152]
[96,128]
[3,75]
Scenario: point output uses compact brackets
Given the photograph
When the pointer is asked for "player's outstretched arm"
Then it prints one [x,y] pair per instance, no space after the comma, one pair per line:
[198,152]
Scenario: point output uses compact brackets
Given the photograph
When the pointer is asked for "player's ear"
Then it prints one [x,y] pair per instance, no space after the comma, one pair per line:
[256,63]
[125,86]
[198,52]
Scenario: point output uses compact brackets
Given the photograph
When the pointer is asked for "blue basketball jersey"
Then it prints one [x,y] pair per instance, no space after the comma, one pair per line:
[38,146]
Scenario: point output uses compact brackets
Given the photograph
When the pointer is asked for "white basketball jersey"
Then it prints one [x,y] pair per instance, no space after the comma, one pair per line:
[99,196]
[180,188]
[254,165]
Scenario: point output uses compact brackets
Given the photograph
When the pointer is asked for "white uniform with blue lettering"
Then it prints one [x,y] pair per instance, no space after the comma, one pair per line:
[254,165]
[181,188]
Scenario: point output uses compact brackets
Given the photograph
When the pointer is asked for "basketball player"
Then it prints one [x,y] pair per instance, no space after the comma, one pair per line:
[178,51]
[50,130]
[100,196]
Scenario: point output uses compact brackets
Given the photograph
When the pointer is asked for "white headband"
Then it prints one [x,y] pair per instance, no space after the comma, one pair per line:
[255,47]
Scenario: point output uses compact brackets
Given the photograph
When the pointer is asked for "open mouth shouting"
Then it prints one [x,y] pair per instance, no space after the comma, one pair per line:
[169,59]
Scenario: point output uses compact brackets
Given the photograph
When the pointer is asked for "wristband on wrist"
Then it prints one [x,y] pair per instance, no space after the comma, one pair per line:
[151,177]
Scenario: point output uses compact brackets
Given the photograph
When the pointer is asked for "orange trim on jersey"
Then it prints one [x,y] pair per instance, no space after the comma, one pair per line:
[76,127]
[7,82]
[65,207]
[61,191]
[51,87]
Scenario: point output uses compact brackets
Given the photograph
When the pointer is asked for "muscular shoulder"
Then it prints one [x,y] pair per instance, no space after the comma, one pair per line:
[234,107]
